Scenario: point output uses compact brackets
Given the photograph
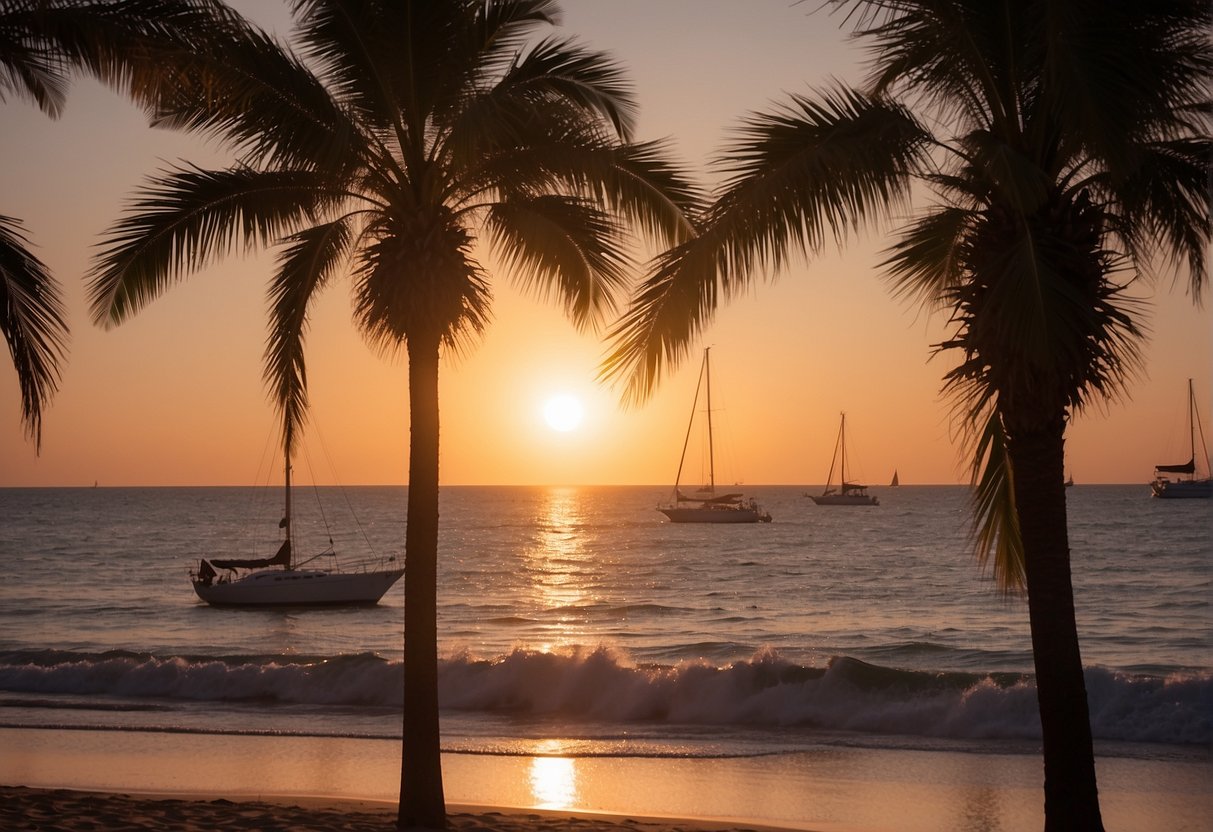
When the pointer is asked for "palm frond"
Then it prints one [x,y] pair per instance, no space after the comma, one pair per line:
[30,67]
[504,26]
[352,44]
[305,266]
[642,182]
[1125,74]
[185,218]
[246,89]
[669,310]
[541,108]
[646,185]
[1166,204]
[33,320]
[131,45]
[561,69]
[566,246]
[486,39]
[815,168]
[927,260]
[949,57]
[996,539]
[492,127]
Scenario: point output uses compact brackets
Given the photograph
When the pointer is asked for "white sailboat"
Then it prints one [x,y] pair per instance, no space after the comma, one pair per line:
[1194,486]
[847,493]
[707,506]
[280,581]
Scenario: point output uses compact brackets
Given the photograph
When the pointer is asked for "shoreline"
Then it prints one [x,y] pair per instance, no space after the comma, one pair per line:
[828,789]
[66,810]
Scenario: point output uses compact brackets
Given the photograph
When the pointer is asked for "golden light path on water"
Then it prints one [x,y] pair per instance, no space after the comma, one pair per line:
[557,565]
[554,778]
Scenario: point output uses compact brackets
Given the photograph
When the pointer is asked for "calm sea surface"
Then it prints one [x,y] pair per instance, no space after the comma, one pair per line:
[581,613]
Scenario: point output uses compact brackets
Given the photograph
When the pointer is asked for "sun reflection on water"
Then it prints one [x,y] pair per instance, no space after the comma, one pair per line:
[559,567]
[553,779]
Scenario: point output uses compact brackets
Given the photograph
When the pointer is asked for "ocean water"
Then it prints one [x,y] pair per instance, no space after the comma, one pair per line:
[581,615]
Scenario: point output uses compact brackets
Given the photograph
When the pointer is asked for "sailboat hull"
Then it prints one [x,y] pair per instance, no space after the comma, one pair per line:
[298,587]
[1182,489]
[716,514]
[844,499]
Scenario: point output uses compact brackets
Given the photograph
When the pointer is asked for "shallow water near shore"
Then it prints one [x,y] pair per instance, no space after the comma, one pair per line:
[576,623]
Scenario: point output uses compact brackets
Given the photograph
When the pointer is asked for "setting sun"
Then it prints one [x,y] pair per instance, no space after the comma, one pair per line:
[563,412]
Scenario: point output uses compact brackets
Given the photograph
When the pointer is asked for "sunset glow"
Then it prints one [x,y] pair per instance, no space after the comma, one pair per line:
[787,358]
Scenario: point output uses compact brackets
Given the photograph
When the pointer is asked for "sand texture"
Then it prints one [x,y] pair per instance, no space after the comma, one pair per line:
[61,810]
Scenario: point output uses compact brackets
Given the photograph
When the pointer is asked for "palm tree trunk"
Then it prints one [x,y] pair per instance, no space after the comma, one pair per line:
[1038,461]
[422,803]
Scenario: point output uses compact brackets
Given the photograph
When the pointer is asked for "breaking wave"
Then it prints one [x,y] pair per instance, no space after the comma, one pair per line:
[603,685]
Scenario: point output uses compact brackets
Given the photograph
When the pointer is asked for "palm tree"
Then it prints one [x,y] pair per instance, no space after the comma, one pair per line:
[41,43]
[1048,152]
[403,140]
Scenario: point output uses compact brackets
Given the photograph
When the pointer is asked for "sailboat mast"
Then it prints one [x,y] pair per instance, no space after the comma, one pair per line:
[842,449]
[286,459]
[1192,424]
[707,370]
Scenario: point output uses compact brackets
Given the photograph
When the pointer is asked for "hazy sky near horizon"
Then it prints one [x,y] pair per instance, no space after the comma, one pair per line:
[175,396]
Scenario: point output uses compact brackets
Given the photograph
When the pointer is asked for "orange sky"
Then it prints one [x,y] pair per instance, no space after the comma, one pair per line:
[175,397]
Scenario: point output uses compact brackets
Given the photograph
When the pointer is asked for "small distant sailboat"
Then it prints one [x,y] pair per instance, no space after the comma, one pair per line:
[1069,480]
[278,581]
[847,493]
[707,506]
[1193,487]
[896,482]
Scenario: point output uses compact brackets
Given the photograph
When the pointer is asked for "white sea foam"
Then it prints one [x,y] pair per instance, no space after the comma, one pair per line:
[601,685]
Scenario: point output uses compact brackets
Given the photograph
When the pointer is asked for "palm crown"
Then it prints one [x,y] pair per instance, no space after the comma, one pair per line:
[401,139]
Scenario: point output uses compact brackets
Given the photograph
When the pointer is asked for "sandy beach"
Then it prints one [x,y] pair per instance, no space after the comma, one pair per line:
[111,780]
[52,810]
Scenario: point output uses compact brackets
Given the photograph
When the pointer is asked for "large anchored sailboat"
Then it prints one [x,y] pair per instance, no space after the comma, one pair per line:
[280,581]
[1198,487]
[706,506]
